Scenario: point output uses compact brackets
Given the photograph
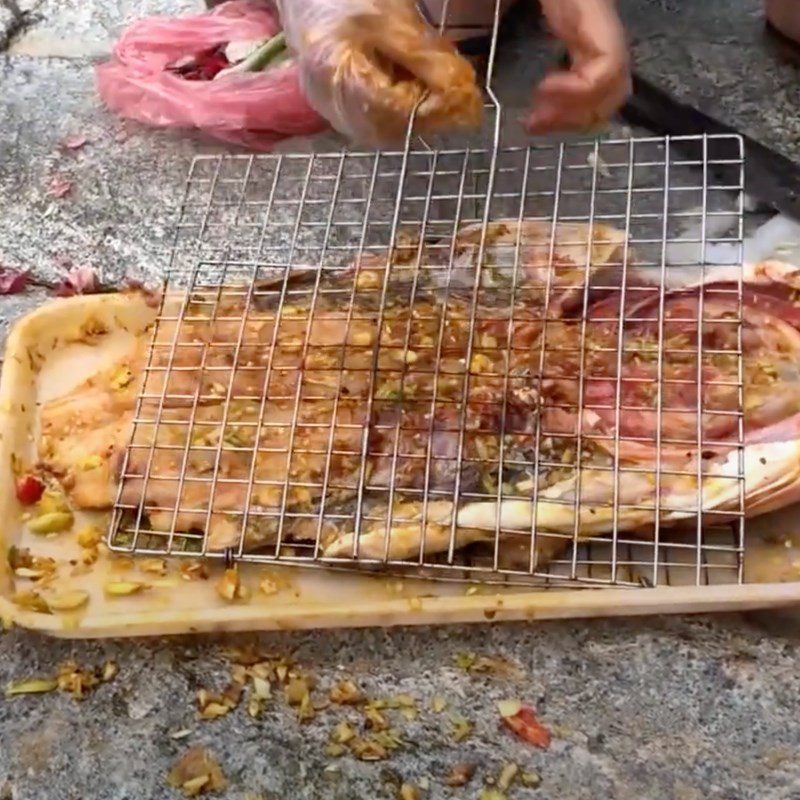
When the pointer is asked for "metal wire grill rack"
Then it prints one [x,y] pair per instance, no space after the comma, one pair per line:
[464,360]
[350,352]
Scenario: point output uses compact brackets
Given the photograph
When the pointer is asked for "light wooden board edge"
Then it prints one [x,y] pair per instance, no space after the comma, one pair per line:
[523,607]
[544,604]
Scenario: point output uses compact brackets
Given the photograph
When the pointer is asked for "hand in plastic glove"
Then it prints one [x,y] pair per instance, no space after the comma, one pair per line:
[366,65]
[599,80]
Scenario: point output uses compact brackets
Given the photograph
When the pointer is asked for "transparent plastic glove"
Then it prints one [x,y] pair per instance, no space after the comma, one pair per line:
[598,82]
[366,64]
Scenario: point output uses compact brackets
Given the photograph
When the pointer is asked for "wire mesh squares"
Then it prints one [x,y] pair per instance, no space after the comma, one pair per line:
[469,363]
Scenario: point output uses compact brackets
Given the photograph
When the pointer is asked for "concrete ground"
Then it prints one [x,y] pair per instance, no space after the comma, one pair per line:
[685,708]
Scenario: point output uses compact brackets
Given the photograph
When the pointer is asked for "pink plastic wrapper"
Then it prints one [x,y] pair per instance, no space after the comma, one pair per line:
[254,109]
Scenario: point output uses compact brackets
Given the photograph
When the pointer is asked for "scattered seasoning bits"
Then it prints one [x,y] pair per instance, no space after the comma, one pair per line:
[31,686]
[110,670]
[508,708]
[212,705]
[401,701]
[122,378]
[31,600]
[346,693]
[462,728]
[262,688]
[89,536]
[213,710]
[368,749]
[70,678]
[306,710]
[68,601]
[409,792]
[507,775]
[197,772]
[230,588]
[124,588]
[120,564]
[26,565]
[154,566]
[27,572]
[343,733]
[296,691]
[492,794]
[464,660]
[460,774]
[335,750]
[53,522]
[530,779]
[194,571]
[438,704]
[497,666]
[255,705]
[268,587]
[374,720]
[78,681]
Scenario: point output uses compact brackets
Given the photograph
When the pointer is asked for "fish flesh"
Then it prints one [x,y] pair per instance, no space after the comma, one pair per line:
[310,388]
[520,385]
[667,462]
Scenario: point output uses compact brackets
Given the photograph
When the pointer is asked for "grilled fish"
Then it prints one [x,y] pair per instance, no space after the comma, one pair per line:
[476,390]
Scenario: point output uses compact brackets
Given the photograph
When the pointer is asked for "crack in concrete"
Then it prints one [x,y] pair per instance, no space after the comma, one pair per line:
[21,22]
[13,7]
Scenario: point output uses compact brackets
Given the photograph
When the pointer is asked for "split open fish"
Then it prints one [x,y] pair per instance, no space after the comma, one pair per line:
[474,390]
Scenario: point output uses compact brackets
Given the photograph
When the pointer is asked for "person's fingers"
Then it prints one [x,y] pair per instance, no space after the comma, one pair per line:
[556,119]
[568,100]
[589,93]
[607,76]
[600,77]
[599,80]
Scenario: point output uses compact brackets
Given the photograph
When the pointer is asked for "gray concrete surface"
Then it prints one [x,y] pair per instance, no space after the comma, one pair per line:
[686,708]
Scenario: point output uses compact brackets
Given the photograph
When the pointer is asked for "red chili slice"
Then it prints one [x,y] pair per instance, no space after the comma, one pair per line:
[528,728]
[29,490]
[203,66]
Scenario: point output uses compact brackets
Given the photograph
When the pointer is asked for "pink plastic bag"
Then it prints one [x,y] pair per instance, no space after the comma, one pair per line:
[255,109]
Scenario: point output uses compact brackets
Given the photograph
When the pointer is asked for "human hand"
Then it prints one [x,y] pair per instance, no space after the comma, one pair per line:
[368,65]
[597,83]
